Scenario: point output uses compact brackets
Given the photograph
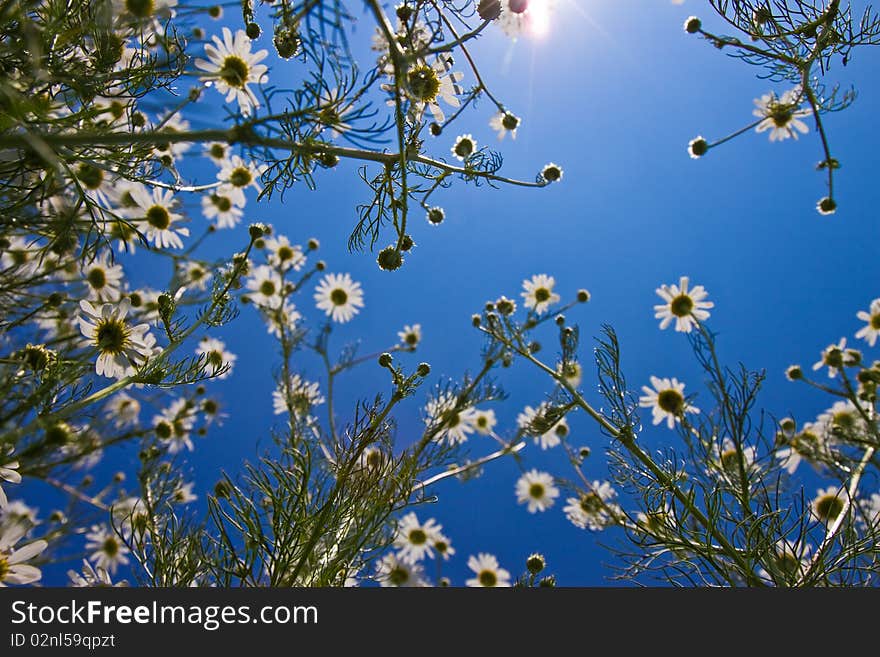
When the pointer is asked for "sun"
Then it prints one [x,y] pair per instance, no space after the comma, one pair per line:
[539,11]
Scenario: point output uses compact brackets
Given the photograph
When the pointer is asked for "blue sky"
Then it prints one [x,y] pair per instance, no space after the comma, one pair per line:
[613,94]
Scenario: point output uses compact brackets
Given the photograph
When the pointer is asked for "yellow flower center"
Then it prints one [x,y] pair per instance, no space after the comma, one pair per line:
[240,177]
[267,288]
[542,294]
[139,8]
[591,503]
[398,576]
[681,306]
[234,71]
[110,547]
[671,401]
[111,336]
[424,85]
[158,217]
[781,114]
[339,297]
[488,578]
[828,507]
[97,279]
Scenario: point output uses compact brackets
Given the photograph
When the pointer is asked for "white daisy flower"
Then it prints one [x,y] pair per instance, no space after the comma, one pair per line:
[21,256]
[484,421]
[18,513]
[551,437]
[414,540]
[454,424]
[339,296]
[170,151]
[103,280]
[828,503]
[410,336]
[87,451]
[505,123]
[195,275]
[266,287]
[220,207]
[537,490]
[231,67]
[726,462]
[183,494]
[154,216]
[666,401]
[538,293]
[123,410]
[373,459]
[427,84]
[143,11]
[237,176]
[122,348]
[174,424]
[413,37]
[444,546]
[331,114]
[13,568]
[842,418]
[108,550]
[593,509]
[791,561]
[658,522]
[283,255]
[871,330]
[284,318]
[392,571]
[832,358]
[95,182]
[488,572]
[685,307]
[809,443]
[572,372]
[303,396]
[122,229]
[464,147]
[92,577]
[218,152]
[216,356]
[130,515]
[8,474]
[781,115]
[113,109]
[145,305]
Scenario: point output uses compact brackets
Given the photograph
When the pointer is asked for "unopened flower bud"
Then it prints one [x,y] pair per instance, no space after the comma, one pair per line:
[536,563]
[692,25]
